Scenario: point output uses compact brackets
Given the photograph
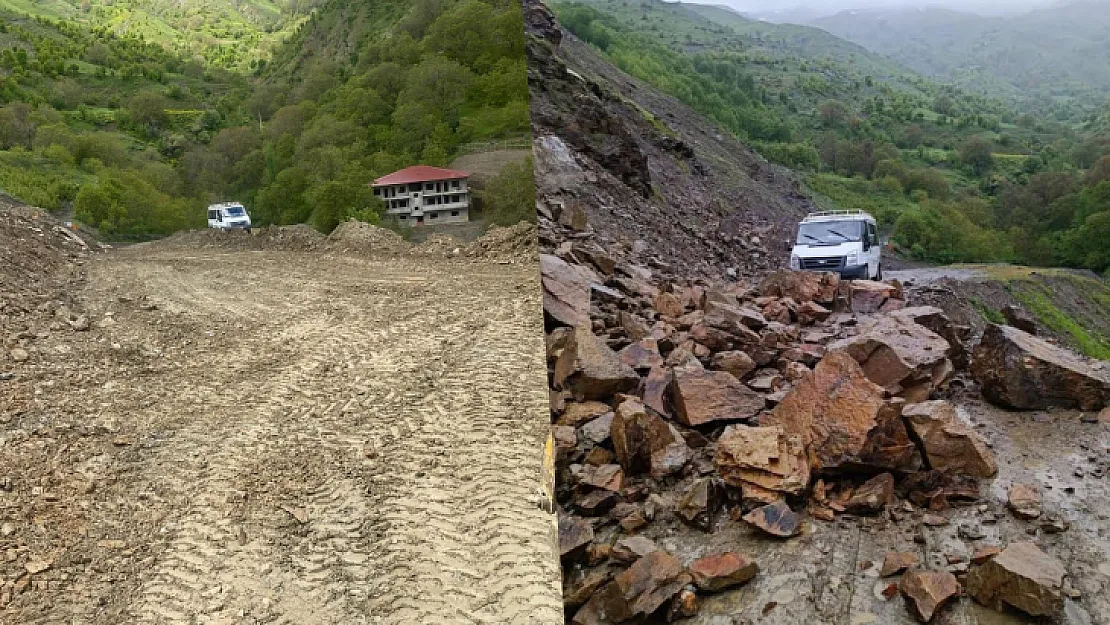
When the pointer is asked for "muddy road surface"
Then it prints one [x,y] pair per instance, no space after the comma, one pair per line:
[280,437]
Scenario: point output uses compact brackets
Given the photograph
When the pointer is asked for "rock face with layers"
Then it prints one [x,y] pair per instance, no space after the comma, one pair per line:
[947,443]
[566,293]
[844,421]
[762,458]
[1018,370]
[802,286]
[588,368]
[1022,576]
[701,396]
[900,355]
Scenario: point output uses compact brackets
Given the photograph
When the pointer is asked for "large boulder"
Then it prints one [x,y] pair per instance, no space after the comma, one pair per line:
[802,286]
[764,458]
[844,421]
[637,592]
[588,368]
[566,292]
[869,296]
[927,592]
[1018,370]
[947,443]
[700,396]
[938,322]
[1022,576]
[900,355]
[645,443]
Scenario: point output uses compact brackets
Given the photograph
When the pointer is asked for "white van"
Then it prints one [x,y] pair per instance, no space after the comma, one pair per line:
[229,216]
[844,241]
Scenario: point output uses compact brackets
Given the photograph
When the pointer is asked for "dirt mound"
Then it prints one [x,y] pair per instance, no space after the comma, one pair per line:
[357,236]
[40,260]
[295,238]
[515,243]
[439,245]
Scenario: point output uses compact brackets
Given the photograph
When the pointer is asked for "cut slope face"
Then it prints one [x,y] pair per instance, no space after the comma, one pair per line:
[650,178]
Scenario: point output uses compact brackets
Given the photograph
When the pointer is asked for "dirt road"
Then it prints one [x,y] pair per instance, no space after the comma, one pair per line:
[280,437]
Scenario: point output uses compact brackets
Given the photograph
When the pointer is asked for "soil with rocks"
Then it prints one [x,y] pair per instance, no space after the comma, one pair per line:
[735,444]
[213,434]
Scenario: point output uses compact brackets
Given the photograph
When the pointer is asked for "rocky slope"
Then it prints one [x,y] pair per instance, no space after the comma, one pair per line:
[644,176]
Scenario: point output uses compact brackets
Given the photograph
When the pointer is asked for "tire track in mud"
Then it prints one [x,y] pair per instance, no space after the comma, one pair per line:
[364,448]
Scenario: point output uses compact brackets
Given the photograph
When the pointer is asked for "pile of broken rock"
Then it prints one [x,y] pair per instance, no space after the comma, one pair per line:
[801,397]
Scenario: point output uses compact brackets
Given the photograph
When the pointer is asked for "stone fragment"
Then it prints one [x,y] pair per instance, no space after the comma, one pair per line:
[762,456]
[628,550]
[18,354]
[717,572]
[901,356]
[634,328]
[596,502]
[1020,319]
[1018,370]
[699,503]
[606,476]
[982,554]
[576,413]
[1022,576]
[642,355]
[574,535]
[938,322]
[565,439]
[947,443]
[1024,501]
[566,292]
[897,561]
[655,389]
[683,605]
[927,592]
[595,431]
[802,286]
[645,443]
[590,369]
[844,421]
[873,495]
[869,296]
[810,313]
[581,584]
[637,592]
[776,519]
[668,305]
[738,363]
[701,397]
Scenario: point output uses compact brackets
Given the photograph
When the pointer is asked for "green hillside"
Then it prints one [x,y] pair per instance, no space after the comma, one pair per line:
[137,137]
[958,176]
[1052,60]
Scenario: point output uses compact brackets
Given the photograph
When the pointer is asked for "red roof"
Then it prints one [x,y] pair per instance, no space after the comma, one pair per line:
[420,173]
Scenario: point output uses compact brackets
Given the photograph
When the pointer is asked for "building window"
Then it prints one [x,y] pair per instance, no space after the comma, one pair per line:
[455,184]
[454,213]
[404,217]
[433,215]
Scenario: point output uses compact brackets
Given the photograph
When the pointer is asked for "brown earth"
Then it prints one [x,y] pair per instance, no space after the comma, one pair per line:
[262,436]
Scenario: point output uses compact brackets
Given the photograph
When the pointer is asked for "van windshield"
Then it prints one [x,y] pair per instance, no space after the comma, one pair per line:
[235,211]
[830,232]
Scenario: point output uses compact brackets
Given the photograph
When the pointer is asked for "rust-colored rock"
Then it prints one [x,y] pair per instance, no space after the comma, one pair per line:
[762,456]
[1018,370]
[655,389]
[590,369]
[606,476]
[683,605]
[566,292]
[578,413]
[983,554]
[868,296]
[628,550]
[580,584]
[700,503]
[927,592]
[802,286]
[645,443]
[574,535]
[637,592]
[1022,576]
[948,444]
[634,328]
[642,355]
[1024,501]
[723,570]
[701,397]
[810,313]
[669,305]
[903,357]
[873,495]
[738,363]
[897,561]
[938,322]
[844,421]
[776,519]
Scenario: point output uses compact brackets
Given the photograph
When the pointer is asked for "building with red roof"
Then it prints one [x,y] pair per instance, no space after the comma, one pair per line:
[421,195]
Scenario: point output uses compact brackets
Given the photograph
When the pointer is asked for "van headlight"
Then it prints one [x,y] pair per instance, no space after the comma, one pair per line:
[795,262]
[853,259]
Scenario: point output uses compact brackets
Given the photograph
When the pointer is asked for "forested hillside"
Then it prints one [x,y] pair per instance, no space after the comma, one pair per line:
[957,176]
[138,137]
[1053,60]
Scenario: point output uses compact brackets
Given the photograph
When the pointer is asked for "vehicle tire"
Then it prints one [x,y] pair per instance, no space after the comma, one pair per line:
[879,273]
[248,230]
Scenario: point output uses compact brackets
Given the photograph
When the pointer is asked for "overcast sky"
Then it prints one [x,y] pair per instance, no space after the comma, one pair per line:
[833,6]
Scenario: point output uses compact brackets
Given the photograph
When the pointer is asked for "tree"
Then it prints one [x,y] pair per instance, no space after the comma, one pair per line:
[147,112]
[834,113]
[978,154]
[510,197]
